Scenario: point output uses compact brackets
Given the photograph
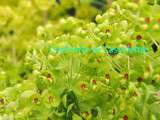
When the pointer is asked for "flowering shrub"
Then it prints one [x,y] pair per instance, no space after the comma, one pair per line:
[19,20]
[92,86]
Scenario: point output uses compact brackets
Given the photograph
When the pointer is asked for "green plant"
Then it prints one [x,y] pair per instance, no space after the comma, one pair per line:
[88,86]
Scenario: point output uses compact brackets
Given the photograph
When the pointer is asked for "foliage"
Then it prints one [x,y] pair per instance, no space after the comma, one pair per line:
[83,86]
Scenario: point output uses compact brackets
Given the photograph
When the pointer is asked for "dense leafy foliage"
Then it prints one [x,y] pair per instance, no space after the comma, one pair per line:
[49,85]
[19,20]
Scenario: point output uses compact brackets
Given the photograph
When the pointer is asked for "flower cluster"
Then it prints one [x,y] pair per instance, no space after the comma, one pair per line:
[95,86]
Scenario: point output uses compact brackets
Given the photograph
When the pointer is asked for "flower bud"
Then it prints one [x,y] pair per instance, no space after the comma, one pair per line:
[99,19]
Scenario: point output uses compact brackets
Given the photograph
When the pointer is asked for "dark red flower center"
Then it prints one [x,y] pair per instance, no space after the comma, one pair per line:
[125,117]
[50,98]
[83,86]
[140,79]
[138,37]
[158,20]
[126,76]
[113,111]
[147,20]
[108,31]
[49,76]
[94,82]
[107,76]
[98,60]
[35,100]
[135,94]
[129,45]
[86,114]
[1,101]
